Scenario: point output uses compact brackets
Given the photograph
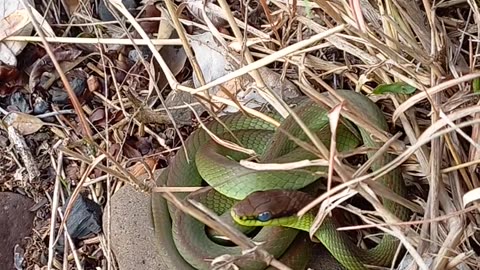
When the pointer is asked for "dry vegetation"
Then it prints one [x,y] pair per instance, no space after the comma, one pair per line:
[317,45]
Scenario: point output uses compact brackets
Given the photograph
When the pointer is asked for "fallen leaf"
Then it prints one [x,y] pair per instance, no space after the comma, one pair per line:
[9,79]
[68,58]
[175,58]
[24,123]
[471,196]
[213,12]
[15,20]
[138,169]
[58,132]
[7,56]
[396,88]
[150,11]
[71,5]
[212,58]
[215,61]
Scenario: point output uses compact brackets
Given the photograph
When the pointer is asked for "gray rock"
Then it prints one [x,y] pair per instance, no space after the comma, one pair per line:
[131,230]
[16,223]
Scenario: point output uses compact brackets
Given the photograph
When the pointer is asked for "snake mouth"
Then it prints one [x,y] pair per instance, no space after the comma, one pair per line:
[243,220]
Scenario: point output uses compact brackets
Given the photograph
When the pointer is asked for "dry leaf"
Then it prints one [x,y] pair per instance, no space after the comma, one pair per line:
[24,123]
[15,20]
[214,12]
[59,132]
[471,196]
[71,5]
[175,58]
[215,61]
[212,58]
[139,169]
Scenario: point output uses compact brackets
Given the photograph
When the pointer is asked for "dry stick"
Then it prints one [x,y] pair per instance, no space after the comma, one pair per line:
[160,140]
[188,51]
[456,191]
[435,179]
[53,217]
[166,70]
[104,41]
[343,45]
[396,231]
[409,223]
[22,149]
[251,111]
[265,91]
[168,73]
[459,259]
[455,232]
[68,87]
[68,238]
[460,166]
[432,132]
[87,160]
[432,90]
[265,61]
[76,192]
[120,175]
[422,155]
[205,216]
[184,41]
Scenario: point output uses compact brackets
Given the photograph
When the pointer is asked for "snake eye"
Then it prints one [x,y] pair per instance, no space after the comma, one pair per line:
[265,216]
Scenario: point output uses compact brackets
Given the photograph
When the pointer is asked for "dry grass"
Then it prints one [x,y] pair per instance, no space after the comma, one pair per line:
[322,45]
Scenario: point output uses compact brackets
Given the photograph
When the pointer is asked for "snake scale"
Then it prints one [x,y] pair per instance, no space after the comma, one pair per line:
[269,197]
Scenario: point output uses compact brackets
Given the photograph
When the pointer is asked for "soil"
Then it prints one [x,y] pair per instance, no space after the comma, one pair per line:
[16,222]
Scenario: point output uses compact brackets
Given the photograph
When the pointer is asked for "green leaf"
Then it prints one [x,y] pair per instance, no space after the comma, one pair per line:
[396,88]
[476,85]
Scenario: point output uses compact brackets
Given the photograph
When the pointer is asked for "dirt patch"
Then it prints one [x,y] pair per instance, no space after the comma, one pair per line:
[16,223]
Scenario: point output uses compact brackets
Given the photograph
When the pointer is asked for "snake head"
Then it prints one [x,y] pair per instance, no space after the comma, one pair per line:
[269,208]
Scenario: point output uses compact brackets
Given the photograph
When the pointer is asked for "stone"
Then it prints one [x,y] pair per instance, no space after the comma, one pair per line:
[131,230]
[16,223]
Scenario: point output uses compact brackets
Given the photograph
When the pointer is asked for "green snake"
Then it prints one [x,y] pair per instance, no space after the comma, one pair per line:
[266,198]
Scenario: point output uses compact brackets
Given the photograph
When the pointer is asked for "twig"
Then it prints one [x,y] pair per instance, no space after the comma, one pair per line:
[104,41]
[23,150]
[265,61]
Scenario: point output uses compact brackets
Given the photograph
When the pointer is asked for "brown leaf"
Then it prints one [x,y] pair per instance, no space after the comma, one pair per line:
[175,58]
[150,27]
[8,80]
[137,147]
[93,84]
[71,5]
[72,171]
[138,169]
[62,54]
[98,117]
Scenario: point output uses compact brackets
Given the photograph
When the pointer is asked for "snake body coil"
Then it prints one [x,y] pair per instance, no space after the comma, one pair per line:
[182,240]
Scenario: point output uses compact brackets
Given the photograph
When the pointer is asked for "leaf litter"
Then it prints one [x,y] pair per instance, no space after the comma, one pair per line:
[130,107]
